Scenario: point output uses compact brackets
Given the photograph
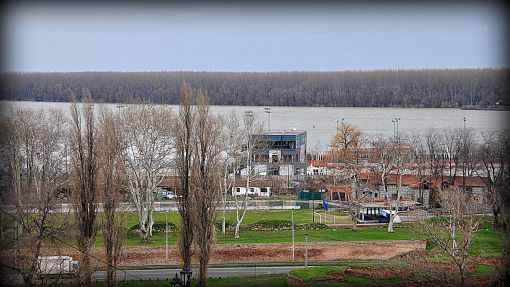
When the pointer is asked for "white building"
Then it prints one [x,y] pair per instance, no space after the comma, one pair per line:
[253,191]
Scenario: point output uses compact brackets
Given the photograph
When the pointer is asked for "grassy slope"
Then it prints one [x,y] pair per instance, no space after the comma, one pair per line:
[486,243]
[313,276]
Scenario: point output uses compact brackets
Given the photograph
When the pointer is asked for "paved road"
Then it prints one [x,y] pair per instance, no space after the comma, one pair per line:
[223,272]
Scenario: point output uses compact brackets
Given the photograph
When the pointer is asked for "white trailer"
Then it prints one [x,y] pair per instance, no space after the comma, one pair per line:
[56,265]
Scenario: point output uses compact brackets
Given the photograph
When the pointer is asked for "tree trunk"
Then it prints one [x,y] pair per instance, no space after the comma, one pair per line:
[392,219]
[142,228]
[110,273]
[202,277]
[462,271]
[355,219]
[495,214]
[86,278]
[239,218]
[151,222]
[223,228]
[223,223]
[238,225]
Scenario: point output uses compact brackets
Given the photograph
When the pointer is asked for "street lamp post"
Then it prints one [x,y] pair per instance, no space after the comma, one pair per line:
[337,123]
[176,281]
[186,277]
[268,112]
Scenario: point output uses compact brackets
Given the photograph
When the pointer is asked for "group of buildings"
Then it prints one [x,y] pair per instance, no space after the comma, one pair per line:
[280,163]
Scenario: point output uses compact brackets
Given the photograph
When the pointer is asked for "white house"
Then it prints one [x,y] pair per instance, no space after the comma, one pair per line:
[253,191]
[257,170]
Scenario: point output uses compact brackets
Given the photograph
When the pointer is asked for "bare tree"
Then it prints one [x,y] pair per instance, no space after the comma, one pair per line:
[401,162]
[34,216]
[206,178]
[250,142]
[184,150]
[231,162]
[346,148]
[84,180]
[454,232]
[495,156]
[418,146]
[433,141]
[111,173]
[383,153]
[453,139]
[147,145]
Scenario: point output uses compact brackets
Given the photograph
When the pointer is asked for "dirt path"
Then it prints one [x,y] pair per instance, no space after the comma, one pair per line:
[246,253]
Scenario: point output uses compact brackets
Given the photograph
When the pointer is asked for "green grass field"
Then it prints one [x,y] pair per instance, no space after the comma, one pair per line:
[313,276]
[486,243]
[275,280]
[275,236]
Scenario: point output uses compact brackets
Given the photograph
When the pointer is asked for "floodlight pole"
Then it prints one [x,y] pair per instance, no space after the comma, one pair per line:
[268,112]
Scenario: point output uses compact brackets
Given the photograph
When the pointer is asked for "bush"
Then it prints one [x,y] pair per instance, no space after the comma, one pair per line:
[312,226]
[229,225]
[271,225]
[157,226]
[274,225]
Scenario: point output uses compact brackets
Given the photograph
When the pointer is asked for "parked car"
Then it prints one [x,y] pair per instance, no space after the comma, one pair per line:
[168,195]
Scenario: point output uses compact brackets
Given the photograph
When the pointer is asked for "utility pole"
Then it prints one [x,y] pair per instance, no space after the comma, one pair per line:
[395,127]
[292,234]
[306,250]
[166,236]
[313,210]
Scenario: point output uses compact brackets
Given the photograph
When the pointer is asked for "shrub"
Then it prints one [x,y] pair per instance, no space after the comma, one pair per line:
[229,225]
[158,227]
[312,226]
[271,225]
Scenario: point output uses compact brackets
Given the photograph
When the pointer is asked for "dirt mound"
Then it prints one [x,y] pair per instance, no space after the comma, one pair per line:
[400,272]
[337,278]
[249,253]
[377,273]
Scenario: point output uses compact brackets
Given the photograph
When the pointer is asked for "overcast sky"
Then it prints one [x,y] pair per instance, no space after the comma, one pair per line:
[252,37]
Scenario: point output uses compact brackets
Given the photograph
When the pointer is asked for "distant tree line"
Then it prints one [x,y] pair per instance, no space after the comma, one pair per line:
[398,88]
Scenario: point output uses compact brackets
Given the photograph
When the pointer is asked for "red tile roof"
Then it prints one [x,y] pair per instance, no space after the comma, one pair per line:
[413,181]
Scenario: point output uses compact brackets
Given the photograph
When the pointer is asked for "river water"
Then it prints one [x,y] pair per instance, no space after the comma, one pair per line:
[320,122]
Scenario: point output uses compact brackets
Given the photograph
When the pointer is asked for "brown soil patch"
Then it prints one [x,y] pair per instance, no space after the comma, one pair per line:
[473,281]
[246,253]
[337,278]
[377,273]
[395,272]
[493,261]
